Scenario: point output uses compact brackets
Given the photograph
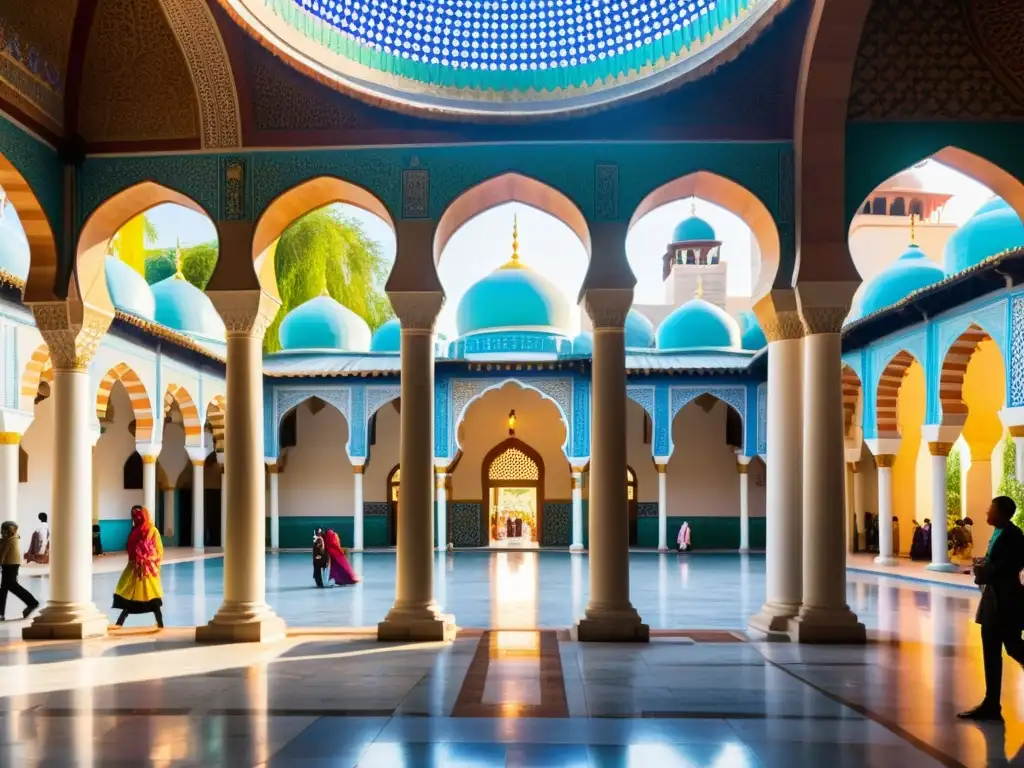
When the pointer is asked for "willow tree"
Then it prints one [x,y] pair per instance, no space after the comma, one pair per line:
[322,249]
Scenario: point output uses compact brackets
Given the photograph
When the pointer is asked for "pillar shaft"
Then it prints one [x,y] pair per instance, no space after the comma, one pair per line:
[940,547]
[662,507]
[198,517]
[357,507]
[10,461]
[884,463]
[442,510]
[577,510]
[70,613]
[224,503]
[415,615]
[783,492]
[609,614]
[273,481]
[244,616]
[824,615]
[149,483]
[858,509]
[744,476]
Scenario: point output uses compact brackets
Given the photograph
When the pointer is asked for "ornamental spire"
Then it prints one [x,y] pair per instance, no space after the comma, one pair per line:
[699,293]
[913,236]
[178,260]
[514,262]
[693,206]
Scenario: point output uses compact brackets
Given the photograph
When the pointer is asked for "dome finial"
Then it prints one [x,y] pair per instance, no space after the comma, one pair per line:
[913,236]
[178,260]
[699,293]
[693,205]
[514,263]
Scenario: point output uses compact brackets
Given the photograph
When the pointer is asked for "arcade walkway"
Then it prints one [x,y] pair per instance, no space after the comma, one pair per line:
[697,695]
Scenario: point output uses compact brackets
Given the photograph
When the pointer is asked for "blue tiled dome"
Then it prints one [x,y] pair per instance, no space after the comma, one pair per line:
[129,290]
[583,344]
[14,250]
[751,335]
[387,338]
[185,308]
[995,228]
[696,324]
[693,229]
[323,323]
[910,272]
[639,330]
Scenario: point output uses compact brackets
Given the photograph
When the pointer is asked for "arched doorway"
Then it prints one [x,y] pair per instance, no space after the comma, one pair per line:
[513,484]
[394,480]
[631,497]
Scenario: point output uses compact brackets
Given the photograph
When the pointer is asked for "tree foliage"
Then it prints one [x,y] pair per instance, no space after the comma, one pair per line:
[1009,485]
[197,263]
[326,248]
[129,244]
[954,508]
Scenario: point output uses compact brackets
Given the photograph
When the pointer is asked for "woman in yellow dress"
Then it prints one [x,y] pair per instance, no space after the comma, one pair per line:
[139,589]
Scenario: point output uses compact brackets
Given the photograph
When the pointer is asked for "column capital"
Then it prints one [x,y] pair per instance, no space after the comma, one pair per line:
[661,469]
[778,316]
[941,433]
[1013,420]
[358,469]
[245,313]
[273,469]
[198,462]
[741,468]
[10,438]
[885,460]
[72,332]
[824,306]
[149,458]
[417,311]
[197,454]
[940,449]
[883,445]
[608,307]
[578,469]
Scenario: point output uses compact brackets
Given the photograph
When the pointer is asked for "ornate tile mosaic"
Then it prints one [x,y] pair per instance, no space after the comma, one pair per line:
[557,524]
[1017,351]
[647,509]
[376,509]
[464,519]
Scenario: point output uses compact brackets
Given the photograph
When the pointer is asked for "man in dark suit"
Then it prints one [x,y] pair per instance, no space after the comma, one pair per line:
[1001,610]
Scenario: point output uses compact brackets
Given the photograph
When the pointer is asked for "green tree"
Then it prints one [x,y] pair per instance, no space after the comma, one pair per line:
[1009,485]
[197,263]
[954,510]
[326,248]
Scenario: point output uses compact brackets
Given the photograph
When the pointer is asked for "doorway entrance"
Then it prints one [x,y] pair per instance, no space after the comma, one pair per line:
[393,483]
[513,484]
[631,497]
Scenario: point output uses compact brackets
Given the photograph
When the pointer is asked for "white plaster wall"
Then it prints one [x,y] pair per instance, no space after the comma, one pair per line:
[638,453]
[317,479]
[384,453]
[173,456]
[538,424]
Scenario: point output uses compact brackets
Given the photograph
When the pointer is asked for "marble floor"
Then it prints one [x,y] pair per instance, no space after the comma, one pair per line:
[515,690]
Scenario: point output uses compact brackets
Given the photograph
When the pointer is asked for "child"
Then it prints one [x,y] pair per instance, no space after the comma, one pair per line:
[10,563]
[319,557]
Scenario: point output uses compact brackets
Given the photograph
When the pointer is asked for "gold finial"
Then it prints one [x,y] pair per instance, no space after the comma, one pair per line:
[693,206]
[513,263]
[178,260]
[699,293]
[913,237]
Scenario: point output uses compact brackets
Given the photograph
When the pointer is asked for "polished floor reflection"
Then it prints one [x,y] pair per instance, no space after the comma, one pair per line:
[512,694]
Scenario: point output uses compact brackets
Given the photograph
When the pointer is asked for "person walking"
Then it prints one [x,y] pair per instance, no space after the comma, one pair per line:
[139,590]
[39,544]
[1001,610]
[320,560]
[10,563]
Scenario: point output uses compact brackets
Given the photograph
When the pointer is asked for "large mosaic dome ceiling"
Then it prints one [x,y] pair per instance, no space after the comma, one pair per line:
[503,58]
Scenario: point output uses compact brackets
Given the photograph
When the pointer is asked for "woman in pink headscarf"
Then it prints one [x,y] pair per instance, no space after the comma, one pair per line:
[341,571]
[683,539]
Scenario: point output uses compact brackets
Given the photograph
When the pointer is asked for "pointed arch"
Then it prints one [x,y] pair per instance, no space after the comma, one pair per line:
[509,187]
[104,223]
[42,244]
[887,394]
[189,413]
[851,399]
[142,407]
[36,370]
[296,202]
[216,412]
[734,198]
[482,388]
[954,368]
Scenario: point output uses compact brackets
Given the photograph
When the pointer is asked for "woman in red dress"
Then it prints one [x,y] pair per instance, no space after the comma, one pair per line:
[341,571]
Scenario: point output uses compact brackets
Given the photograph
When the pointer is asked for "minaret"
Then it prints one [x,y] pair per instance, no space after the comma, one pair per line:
[692,265]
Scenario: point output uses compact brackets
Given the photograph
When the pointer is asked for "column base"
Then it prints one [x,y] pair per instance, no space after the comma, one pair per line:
[821,625]
[942,567]
[243,623]
[773,619]
[612,626]
[663,549]
[886,561]
[67,621]
[744,550]
[419,625]
[575,547]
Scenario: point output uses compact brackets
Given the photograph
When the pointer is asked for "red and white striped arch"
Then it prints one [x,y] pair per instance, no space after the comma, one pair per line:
[216,412]
[176,393]
[954,368]
[888,394]
[141,404]
[38,369]
[851,399]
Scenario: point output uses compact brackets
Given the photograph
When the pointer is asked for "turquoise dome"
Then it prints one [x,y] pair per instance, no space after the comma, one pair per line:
[513,297]
[129,290]
[751,335]
[14,251]
[910,272]
[323,323]
[639,330]
[183,307]
[995,228]
[583,344]
[387,338]
[693,229]
[696,324]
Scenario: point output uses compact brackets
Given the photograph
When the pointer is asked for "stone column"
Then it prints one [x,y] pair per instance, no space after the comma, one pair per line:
[70,614]
[357,507]
[884,462]
[824,615]
[10,464]
[415,615]
[149,478]
[244,616]
[273,487]
[783,467]
[609,616]
[577,510]
[940,550]
[742,468]
[198,516]
[662,506]
[441,487]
